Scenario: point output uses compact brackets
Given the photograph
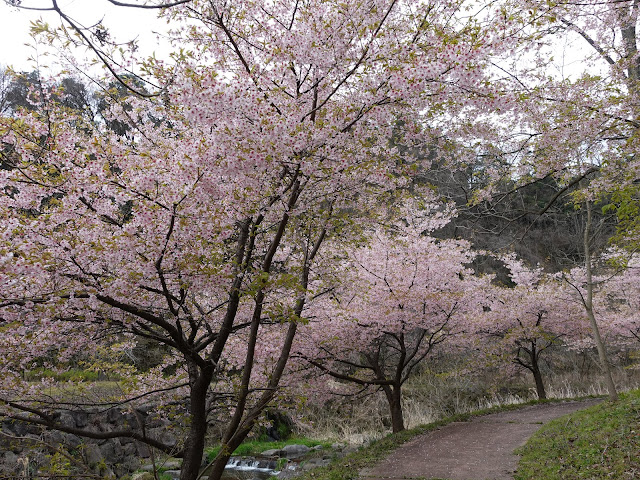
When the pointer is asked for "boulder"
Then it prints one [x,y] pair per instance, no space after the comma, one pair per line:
[114,415]
[66,419]
[164,435]
[110,452]
[274,452]
[81,418]
[295,450]
[129,450]
[143,450]
[93,455]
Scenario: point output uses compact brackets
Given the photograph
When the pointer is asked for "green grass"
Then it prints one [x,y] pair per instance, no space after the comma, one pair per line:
[255,447]
[597,443]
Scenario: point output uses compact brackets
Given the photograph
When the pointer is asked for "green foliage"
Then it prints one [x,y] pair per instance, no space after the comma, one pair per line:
[597,443]
[58,465]
[255,447]
[625,203]
[281,463]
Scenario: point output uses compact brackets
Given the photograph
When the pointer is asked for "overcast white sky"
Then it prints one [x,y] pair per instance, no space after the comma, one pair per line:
[128,23]
[124,23]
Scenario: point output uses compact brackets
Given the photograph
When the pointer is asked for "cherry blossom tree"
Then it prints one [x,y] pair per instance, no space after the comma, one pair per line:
[200,231]
[575,74]
[521,323]
[616,301]
[407,295]
[575,115]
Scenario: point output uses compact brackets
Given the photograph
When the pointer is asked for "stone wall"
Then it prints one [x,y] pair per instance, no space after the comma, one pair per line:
[30,449]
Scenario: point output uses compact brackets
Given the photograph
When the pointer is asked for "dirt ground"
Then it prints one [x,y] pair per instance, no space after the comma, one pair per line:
[481,449]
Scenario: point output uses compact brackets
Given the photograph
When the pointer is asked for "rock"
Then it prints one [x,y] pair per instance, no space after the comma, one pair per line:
[315,462]
[104,472]
[164,435]
[107,473]
[19,429]
[110,452]
[268,464]
[66,419]
[55,437]
[172,464]
[145,409]
[142,476]
[174,474]
[349,449]
[106,457]
[274,452]
[113,415]
[81,418]
[73,442]
[143,450]
[130,464]
[93,454]
[129,450]
[131,420]
[291,451]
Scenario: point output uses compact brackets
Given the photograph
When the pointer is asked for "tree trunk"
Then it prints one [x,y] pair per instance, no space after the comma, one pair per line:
[535,369]
[393,394]
[588,305]
[239,431]
[194,444]
[537,376]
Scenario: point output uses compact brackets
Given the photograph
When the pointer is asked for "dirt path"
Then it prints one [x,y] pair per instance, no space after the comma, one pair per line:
[481,449]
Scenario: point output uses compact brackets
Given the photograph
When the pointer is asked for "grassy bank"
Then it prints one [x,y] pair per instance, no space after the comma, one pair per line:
[597,443]
[255,447]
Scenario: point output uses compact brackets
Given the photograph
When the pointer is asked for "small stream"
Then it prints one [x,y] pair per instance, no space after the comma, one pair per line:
[263,468]
[248,468]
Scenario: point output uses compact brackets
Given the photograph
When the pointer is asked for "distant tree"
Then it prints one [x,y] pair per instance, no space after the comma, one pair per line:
[27,90]
[521,323]
[114,101]
[406,295]
[5,81]
[618,304]
[586,287]
[24,91]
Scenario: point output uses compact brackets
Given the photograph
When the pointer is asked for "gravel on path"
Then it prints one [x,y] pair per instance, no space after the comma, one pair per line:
[481,449]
